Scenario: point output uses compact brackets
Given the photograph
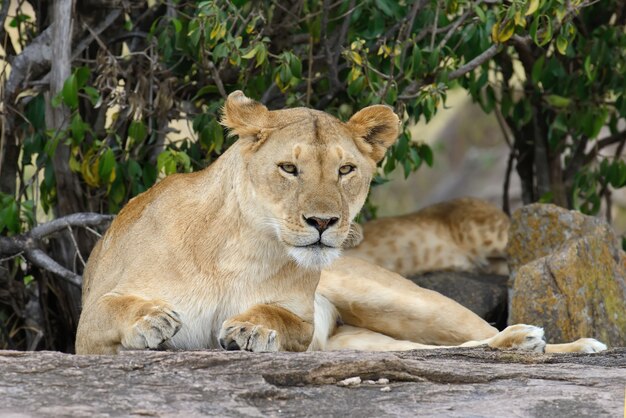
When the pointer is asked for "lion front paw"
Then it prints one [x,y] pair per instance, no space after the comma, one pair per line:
[156,324]
[237,335]
[519,337]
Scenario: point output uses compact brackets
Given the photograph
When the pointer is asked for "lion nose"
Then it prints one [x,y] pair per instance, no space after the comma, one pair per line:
[321,224]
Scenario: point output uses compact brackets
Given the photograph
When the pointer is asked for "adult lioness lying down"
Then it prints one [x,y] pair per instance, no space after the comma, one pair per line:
[231,256]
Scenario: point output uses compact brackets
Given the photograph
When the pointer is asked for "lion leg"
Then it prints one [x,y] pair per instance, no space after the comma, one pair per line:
[515,337]
[368,296]
[582,345]
[117,322]
[266,328]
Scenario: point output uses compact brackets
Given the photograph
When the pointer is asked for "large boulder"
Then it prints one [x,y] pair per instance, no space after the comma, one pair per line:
[476,382]
[567,275]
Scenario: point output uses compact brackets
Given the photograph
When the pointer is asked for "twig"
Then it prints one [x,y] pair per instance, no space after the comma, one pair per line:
[406,28]
[93,231]
[217,79]
[80,256]
[506,208]
[412,90]
[454,27]
[604,142]
[605,184]
[94,32]
[435,24]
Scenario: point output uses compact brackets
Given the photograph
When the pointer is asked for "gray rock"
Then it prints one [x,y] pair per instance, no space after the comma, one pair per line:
[483,294]
[441,383]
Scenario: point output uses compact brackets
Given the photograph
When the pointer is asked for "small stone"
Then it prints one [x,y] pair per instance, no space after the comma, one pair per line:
[385,389]
[351,381]
[382,381]
[369,382]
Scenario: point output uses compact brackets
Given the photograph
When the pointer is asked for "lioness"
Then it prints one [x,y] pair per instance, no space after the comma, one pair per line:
[231,256]
[465,234]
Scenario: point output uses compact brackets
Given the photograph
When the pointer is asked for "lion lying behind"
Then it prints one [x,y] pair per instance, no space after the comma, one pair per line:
[231,256]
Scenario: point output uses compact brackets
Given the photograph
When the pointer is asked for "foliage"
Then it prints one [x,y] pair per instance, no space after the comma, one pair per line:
[552,70]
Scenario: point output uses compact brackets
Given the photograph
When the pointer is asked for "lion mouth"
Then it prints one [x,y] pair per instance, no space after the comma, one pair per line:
[316,244]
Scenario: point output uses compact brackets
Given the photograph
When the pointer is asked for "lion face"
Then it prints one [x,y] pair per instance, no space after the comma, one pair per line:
[308,172]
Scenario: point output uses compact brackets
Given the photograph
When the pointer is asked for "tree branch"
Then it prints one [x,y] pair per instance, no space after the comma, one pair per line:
[412,90]
[76,219]
[42,260]
[29,243]
[619,137]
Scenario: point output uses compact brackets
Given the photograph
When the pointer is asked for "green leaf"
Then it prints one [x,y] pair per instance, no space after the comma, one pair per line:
[36,112]
[502,32]
[427,154]
[561,44]
[94,96]
[558,101]
[178,26]
[251,53]
[537,70]
[149,175]
[106,167]
[480,13]
[614,175]
[137,131]
[589,72]
[541,30]
[82,76]
[78,128]
[296,67]
[385,6]
[9,215]
[70,92]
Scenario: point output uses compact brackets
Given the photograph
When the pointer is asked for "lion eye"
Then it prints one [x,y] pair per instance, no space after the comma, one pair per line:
[346,169]
[289,169]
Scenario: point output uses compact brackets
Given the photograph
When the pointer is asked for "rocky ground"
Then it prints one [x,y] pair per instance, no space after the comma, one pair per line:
[447,383]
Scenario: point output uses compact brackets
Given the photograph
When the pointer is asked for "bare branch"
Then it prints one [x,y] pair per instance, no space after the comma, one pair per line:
[76,219]
[33,60]
[29,243]
[94,32]
[410,19]
[471,65]
[217,79]
[454,28]
[412,90]
[619,137]
[42,260]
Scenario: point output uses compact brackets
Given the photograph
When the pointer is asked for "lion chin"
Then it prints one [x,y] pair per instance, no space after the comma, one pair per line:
[314,257]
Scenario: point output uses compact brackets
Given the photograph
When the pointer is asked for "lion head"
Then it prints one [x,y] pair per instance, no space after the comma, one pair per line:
[309,173]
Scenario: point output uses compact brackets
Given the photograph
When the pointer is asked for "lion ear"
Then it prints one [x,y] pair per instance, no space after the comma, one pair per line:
[243,116]
[375,128]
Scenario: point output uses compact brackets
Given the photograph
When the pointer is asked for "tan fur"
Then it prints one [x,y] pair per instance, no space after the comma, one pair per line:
[464,234]
[231,256]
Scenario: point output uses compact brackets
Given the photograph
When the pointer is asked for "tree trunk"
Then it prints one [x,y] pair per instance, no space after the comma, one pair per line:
[69,192]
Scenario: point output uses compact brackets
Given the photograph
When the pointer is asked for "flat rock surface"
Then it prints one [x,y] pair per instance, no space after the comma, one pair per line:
[447,383]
